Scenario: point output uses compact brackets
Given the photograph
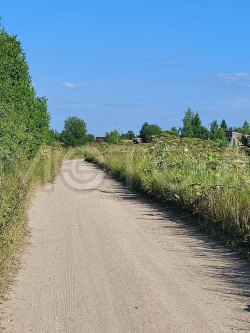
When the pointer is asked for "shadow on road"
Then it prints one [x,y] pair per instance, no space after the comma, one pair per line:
[218,262]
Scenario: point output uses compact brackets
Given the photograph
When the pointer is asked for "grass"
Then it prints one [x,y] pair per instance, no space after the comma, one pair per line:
[16,186]
[208,182]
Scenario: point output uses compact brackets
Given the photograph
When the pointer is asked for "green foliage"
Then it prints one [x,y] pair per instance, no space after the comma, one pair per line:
[74,133]
[128,136]
[53,136]
[23,116]
[245,129]
[246,140]
[24,128]
[187,129]
[192,126]
[90,138]
[216,132]
[113,137]
[223,125]
[16,188]
[172,131]
[148,131]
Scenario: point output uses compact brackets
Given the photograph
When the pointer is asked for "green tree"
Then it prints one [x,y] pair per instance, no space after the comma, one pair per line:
[113,137]
[148,131]
[90,138]
[246,128]
[74,132]
[199,131]
[187,129]
[53,136]
[173,131]
[24,117]
[223,125]
[246,140]
[128,136]
[192,126]
[38,124]
[217,132]
[214,129]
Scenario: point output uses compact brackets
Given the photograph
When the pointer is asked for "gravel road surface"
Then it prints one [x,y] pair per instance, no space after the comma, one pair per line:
[102,259]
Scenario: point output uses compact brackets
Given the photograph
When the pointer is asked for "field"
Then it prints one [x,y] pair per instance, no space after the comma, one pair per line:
[208,182]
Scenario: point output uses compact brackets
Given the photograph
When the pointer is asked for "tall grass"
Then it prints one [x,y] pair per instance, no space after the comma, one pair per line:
[16,186]
[209,182]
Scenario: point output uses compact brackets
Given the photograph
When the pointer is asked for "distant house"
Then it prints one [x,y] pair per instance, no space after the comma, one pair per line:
[101,139]
[234,138]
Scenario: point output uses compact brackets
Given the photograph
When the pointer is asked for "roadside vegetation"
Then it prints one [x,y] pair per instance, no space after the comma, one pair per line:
[26,159]
[206,180]
[16,188]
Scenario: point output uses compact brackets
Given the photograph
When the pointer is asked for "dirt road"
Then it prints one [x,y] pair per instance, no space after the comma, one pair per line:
[102,259]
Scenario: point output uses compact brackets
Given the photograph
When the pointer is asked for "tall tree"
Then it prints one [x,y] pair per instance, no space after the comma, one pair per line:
[74,132]
[246,128]
[223,125]
[114,137]
[216,131]
[24,117]
[214,128]
[192,126]
[198,130]
[187,129]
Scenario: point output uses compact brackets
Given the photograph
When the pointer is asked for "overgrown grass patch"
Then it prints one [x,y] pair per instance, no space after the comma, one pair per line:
[16,186]
[205,180]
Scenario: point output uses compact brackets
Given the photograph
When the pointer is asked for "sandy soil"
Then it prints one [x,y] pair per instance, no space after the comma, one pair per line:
[102,259]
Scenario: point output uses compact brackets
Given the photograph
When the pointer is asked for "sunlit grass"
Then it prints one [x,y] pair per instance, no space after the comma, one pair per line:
[16,185]
[210,182]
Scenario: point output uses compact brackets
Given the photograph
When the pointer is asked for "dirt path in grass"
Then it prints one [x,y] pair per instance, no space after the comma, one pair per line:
[102,259]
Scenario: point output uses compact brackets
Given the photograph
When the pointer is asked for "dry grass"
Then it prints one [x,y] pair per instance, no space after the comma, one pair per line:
[17,185]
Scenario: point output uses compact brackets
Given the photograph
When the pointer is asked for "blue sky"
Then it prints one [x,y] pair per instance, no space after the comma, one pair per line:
[121,63]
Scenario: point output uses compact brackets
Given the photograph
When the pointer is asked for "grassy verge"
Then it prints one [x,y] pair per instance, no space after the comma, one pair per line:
[208,182]
[16,187]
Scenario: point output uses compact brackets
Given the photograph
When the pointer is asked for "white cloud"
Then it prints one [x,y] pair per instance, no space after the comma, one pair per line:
[238,79]
[70,85]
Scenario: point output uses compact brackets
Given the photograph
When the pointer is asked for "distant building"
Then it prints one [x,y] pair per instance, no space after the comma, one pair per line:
[234,138]
[101,139]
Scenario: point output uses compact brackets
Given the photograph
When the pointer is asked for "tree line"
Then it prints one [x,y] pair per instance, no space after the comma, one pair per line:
[75,131]
[192,127]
